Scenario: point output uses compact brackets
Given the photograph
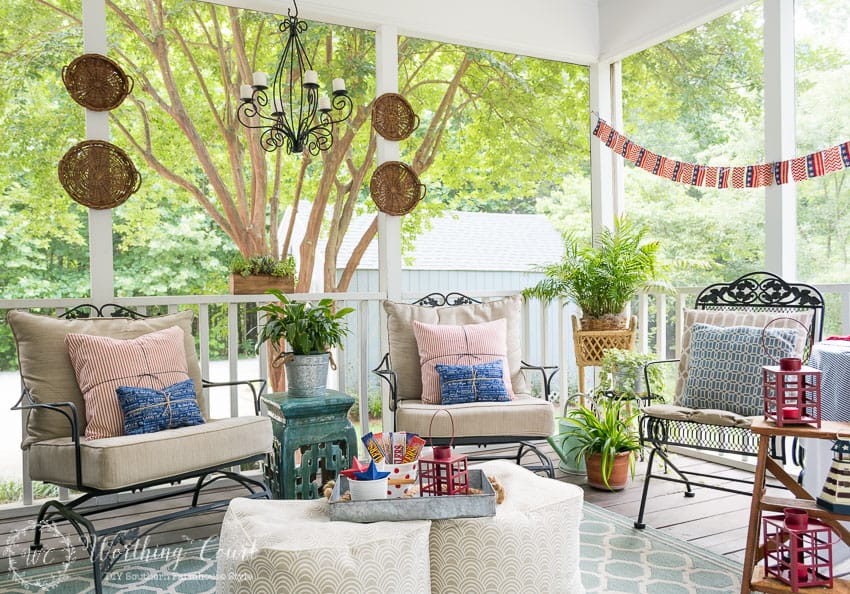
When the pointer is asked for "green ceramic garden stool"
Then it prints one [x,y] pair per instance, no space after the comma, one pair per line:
[318,428]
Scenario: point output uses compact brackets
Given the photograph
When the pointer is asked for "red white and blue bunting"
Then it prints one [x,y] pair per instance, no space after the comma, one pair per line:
[761,175]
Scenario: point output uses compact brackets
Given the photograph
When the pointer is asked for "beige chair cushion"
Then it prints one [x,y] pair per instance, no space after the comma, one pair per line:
[726,319]
[706,416]
[119,462]
[46,367]
[524,416]
[404,354]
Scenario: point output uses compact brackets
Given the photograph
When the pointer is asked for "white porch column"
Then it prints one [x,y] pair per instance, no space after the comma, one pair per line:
[389,227]
[101,274]
[602,161]
[780,217]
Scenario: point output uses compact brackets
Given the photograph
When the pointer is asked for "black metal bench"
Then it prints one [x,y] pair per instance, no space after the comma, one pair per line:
[662,427]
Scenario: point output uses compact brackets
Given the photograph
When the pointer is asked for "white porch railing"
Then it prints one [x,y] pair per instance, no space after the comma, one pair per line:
[547,339]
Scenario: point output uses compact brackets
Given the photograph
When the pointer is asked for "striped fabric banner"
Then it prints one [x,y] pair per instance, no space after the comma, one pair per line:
[759,175]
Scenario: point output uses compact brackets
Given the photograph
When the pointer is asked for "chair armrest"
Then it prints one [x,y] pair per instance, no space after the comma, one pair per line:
[256,393]
[547,371]
[385,371]
[25,402]
[649,395]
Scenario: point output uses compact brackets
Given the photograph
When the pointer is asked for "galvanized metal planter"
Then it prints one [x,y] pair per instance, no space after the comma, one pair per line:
[307,375]
[416,508]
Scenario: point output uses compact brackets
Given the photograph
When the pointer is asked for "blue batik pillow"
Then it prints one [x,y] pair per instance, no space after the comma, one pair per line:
[147,410]
[724,371]
[472,383]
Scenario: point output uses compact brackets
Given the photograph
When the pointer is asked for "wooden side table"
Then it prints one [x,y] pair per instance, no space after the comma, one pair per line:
[316,428]
[753,579]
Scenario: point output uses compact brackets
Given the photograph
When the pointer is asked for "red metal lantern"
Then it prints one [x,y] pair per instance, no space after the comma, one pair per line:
[443,472]
[797,550]
[791,397]
[791,389]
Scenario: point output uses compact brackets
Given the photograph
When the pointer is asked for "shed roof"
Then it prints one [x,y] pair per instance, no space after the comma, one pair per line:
[471,241]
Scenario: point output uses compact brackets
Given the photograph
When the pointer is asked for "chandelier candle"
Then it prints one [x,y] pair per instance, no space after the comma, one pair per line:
[300,119]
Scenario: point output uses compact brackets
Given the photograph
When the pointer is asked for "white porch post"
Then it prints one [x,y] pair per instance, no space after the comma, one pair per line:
[780,216]
[603,203]
[101,273]
[389,227]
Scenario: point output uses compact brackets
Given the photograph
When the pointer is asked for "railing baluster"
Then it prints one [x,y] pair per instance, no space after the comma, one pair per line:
[233,354]
[363,365]
[204,345]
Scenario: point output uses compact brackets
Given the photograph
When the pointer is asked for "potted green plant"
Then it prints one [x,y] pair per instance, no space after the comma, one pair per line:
[258,274]
[310,330]
[604,276]
[606,439]
[622,371]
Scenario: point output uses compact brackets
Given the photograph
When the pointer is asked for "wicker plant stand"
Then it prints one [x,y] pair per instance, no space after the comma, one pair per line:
[590,346]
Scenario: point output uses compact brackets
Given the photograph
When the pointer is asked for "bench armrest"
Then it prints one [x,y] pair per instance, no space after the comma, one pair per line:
[26,402]
[547,371]
[650,396]
[385,371]
[256,393]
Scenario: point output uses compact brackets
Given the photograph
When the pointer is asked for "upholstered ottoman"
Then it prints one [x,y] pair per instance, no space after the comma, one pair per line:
[292,546]
[530,545]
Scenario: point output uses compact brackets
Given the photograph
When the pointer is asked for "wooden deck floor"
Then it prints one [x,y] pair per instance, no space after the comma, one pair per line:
[713,520]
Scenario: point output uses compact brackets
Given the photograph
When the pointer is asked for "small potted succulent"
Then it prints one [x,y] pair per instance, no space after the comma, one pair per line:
[605,438]
[311,331]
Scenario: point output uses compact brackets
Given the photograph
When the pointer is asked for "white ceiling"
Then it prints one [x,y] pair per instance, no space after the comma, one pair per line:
[579,31]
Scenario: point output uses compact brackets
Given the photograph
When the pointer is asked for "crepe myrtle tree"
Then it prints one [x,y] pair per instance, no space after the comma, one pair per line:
[188,60]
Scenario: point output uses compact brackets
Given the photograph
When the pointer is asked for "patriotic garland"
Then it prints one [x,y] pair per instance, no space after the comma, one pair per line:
[748,176]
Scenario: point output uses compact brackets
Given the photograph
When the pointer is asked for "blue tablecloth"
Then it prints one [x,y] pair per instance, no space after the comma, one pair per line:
[832,357]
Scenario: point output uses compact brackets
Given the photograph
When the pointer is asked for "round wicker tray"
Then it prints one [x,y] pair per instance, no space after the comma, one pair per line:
[96,82]
[395,188]
[98,174]
[393,118]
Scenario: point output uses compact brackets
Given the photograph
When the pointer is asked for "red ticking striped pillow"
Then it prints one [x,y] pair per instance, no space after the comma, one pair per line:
[459,345]
[101,364]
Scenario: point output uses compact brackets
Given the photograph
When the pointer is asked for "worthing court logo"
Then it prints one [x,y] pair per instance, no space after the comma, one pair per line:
[25,564]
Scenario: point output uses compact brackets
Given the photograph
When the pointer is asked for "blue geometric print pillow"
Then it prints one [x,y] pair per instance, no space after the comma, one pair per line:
[147,410]
[724,371]
[472,383]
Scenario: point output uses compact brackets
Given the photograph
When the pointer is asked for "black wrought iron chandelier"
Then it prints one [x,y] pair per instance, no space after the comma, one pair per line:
[293,114]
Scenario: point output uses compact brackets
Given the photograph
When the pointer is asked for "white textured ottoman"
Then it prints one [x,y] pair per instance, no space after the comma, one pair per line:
[292,546]
[530,545]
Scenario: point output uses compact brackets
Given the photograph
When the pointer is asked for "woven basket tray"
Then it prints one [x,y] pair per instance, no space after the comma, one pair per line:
[98,174]
[393,118]
[96,82]
[395,188]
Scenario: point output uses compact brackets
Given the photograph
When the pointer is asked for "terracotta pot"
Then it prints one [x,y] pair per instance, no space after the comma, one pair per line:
[258,284]
[619,472]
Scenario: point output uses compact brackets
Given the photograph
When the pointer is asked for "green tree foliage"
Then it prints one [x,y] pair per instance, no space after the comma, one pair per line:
[697,98]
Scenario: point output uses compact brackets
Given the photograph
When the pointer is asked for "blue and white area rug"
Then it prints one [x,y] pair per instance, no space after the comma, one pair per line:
[615,558]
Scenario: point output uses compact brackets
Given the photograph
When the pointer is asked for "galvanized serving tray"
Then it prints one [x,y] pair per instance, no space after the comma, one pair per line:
[416,508]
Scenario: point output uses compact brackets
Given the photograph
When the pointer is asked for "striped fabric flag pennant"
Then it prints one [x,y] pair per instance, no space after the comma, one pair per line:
[814,164]
[760,175]
[738,177]
[832,160]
